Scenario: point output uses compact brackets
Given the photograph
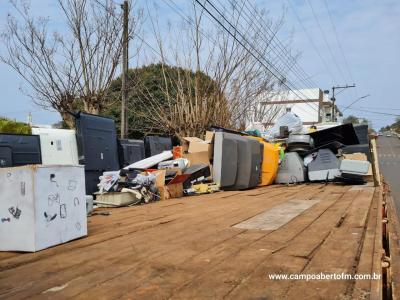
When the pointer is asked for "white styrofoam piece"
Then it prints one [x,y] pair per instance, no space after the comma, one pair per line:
[41,206]
[357,167]
[58,146]
[150,161]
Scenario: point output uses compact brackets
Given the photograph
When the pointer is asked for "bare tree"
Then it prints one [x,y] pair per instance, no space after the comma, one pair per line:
[73,69]
[237,78]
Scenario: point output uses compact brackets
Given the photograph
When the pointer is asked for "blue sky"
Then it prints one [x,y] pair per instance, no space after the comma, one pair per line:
[368,32]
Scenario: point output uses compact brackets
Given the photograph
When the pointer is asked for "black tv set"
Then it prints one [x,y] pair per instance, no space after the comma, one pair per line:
[130,151]
[343,134]
[19,150]
[96,138]
[155,144]
[362,133]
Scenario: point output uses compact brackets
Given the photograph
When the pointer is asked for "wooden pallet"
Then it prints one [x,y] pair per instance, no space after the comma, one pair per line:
[188,248]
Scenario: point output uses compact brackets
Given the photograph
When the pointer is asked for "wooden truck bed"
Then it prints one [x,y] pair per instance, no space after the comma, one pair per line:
[222,245]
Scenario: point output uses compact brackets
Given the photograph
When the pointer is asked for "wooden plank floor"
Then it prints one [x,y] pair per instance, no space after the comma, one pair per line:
[187,249]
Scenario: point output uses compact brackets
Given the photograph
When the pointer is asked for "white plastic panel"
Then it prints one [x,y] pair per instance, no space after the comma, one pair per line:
[58,146]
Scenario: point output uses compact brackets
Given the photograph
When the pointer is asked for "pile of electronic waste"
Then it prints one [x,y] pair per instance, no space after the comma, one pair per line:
[340,153]
[224,160]
[141,171]
[156,178]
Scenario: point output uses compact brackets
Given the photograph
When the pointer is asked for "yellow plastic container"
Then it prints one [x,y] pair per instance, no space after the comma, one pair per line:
[270,163]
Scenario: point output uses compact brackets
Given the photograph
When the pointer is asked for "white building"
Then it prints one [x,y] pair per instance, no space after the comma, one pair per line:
[312,106]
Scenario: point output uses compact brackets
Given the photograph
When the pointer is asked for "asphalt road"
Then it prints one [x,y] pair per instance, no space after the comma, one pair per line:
[389,162]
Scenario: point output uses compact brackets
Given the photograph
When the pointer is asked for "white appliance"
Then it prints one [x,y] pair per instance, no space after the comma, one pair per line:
[41,206]
[354,167]
[291,170]
[58,146]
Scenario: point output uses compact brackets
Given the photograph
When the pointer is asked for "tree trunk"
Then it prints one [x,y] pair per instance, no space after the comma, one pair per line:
[68,119]
[91,107]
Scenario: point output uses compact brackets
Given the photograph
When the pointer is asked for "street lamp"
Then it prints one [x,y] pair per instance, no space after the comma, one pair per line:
[340,89]
[355,101]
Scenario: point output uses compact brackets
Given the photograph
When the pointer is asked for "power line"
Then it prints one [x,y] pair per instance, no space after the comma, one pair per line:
[325,40]
[339,45]
[273,38]
[354,102]
[179,11]
[338,41]
[283,80]
[381,108]
[375,112]
[284,53]
[311,41]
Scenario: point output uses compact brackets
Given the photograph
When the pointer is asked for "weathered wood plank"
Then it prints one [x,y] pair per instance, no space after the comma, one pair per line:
[187,248]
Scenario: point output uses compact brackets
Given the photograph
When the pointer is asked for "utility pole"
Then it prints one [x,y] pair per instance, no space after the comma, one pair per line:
[334,99]
[125,43]
[30,119]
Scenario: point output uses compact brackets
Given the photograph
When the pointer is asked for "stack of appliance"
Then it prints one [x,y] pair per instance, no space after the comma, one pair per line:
[329,143]
[292,168]
[317,155]
[94,144]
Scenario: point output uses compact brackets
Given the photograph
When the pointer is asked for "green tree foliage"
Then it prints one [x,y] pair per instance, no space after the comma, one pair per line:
[10,126]
[393,127]
[355,120]
[396,125]
[155,83]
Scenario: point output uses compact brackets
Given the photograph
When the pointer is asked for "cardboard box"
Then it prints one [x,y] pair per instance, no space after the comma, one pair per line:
[209,137]
[174,189]
[41,206]
[194,144]
[198,158]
